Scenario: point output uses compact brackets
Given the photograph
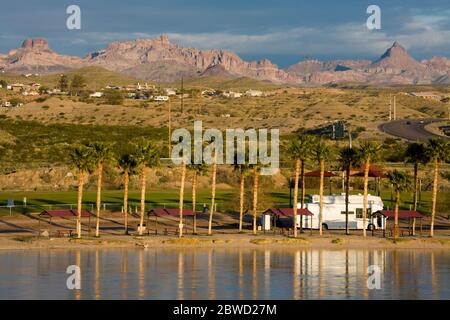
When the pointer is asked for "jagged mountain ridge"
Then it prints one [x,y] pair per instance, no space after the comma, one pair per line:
[161,60]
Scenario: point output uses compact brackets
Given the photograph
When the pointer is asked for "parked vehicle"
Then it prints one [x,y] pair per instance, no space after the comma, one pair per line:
[334,212]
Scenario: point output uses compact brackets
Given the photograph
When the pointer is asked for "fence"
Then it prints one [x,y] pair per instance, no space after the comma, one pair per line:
[105,207]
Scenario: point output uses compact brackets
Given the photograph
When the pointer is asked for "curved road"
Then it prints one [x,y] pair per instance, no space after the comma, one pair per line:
[413,130]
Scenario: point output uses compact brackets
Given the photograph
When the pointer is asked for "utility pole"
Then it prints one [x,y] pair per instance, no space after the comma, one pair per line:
[395,107]
[390,107]
[182,94]
[170,130]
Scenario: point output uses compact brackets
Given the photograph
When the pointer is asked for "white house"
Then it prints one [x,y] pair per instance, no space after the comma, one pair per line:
[161,98]
[333,215]
[254,93]
[96,95]
[170,91]
[231,94]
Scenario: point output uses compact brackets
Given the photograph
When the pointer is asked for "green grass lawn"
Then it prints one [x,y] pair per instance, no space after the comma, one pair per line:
[37,201]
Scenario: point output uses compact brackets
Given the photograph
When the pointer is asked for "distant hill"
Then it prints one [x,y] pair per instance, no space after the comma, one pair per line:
[96,78]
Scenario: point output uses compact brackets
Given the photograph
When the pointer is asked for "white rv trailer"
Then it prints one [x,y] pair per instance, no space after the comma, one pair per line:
[333,215]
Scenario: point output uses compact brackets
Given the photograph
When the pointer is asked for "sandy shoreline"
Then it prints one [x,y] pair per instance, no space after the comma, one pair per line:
[238,241]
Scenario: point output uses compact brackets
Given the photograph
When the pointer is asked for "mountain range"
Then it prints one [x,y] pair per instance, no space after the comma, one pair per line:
[161,60]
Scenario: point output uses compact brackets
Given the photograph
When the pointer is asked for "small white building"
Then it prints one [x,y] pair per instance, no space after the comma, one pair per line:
[231,94]
[254,93]
[333,214]
[170,91]
[161,98]
[96,94]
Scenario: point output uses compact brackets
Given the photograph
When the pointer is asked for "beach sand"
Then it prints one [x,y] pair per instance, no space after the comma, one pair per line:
[22,232]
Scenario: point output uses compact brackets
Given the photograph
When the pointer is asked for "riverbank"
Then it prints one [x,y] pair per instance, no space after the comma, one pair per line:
[266,241]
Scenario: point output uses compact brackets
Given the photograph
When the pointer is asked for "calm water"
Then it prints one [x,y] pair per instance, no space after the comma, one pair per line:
[225,274]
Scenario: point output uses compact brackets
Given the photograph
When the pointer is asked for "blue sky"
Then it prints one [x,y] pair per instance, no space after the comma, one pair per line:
[283,31]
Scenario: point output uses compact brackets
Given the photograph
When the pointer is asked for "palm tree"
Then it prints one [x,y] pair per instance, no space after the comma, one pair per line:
[437,151]
[368,152]
[213,194]
[400,182]
[347,158]
[256,168]
[243,170]
[416,154]
[299,149]
[197,169]
[101,154]
[128,164]
[82,159]
[183,177]
[148,157]
[322,152]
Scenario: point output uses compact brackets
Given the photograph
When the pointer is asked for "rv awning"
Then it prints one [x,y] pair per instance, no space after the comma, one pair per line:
[164,212]
[64,213]
[288,212]
[402,214]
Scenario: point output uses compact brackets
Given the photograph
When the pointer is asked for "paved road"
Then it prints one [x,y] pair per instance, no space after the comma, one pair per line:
[413,130]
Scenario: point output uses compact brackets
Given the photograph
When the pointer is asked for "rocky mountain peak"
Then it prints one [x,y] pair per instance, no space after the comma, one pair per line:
[35,44]
[397,58]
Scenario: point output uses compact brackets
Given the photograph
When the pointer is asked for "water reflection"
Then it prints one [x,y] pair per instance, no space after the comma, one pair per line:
[225,274]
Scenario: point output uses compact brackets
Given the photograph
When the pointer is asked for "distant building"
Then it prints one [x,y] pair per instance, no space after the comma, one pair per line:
[96,94]
[231,94]
[209,93]
[16,87]
[30,93]
[161,98]
[170,91]
[428,95]
[254,93]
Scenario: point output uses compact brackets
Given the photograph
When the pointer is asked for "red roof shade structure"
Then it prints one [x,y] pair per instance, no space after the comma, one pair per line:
[161,212]
[288,212]
[402,214]
[317,174]
[374,172]
[64,213]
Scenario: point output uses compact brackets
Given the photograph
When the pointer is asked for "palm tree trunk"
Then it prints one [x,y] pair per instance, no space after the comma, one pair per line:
[99,197]
[194,200]
[302,174]
[213,195]
[297,173]
[397,202]
[241,201]
[366,189]
[416,178]
[322,173]
[143,187]
[79,202]
[347,195]
[255,198]
[125,200]
[183,176]
[434,197]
